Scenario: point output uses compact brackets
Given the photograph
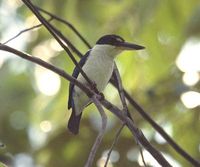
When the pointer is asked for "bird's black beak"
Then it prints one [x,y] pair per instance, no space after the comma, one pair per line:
[129,46]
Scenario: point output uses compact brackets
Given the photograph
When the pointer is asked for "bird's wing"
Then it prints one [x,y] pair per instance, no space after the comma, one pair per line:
[75,75]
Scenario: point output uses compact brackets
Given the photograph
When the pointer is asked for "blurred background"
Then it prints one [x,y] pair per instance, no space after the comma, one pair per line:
[163,79]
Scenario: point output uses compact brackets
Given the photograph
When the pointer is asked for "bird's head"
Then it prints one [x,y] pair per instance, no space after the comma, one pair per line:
[114,44]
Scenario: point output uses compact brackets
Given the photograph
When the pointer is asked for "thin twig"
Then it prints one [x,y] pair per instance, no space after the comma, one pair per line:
[26,30]
[142,155]
[120,88]
[100,135]
[68,24]
[113,144]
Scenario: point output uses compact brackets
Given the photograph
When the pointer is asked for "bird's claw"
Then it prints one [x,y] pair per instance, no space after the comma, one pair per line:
[94,86]
[99,94]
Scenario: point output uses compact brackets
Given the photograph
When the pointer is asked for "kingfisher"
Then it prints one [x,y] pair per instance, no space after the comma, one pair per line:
[98,65]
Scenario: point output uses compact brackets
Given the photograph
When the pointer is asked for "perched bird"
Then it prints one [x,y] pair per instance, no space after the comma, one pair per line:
[98,65]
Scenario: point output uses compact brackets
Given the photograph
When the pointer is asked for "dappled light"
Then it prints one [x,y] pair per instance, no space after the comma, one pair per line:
[188,59]
[191,78]
[47,82]
[151,161]
[164,79]
[191,99]
[46,126]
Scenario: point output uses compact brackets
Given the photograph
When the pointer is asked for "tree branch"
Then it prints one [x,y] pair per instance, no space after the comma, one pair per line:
[118,81]
[101,132]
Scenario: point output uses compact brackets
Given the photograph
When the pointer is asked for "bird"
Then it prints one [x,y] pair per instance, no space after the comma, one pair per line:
[98,65]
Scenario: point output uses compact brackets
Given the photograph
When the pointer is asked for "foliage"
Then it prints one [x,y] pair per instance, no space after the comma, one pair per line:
[151,77]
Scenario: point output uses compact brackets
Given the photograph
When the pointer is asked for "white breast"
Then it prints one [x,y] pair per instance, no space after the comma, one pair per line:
[99,68]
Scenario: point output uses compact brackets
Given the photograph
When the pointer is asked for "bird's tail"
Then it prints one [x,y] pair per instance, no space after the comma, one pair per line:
[74,122]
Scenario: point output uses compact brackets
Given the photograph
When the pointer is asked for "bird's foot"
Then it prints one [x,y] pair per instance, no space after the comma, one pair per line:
[99,94]
[94,87]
